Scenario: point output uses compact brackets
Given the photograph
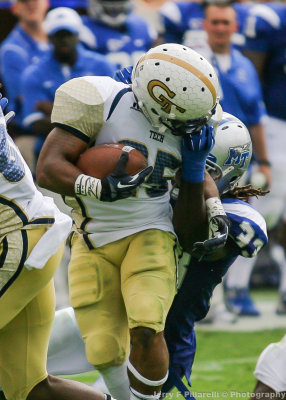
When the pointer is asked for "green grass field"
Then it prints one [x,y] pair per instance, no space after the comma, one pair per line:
[224,363]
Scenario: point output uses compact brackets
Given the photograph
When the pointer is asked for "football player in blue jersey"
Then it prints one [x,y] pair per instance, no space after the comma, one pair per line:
[240,95]
[118,32]
[265,45]
[226,163]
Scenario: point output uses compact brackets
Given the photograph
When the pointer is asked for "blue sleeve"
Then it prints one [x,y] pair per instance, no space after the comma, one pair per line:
[106,68]
[248,227]
[173,29]
[33,92]
[255,108]
[259,32]
[13,62]
[172,33]
[11,165]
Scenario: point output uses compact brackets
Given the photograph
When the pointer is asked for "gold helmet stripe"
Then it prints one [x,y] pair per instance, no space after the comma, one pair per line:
[183,64]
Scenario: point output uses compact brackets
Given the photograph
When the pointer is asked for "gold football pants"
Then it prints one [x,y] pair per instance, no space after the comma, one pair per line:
[26,315]
[120,286]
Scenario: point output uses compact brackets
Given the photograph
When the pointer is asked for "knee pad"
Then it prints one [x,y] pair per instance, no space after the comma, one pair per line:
[104,350]
[146,311]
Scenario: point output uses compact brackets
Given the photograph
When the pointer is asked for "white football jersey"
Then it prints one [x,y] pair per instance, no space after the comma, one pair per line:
[23,206]
[102,110]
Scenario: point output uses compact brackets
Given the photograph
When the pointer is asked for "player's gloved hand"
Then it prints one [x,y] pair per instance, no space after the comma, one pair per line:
[195,149]
[124,74]
[219,227]
[3,103]
[118,185]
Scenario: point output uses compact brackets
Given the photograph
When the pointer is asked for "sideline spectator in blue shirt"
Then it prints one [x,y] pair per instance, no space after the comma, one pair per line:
[182,21]
[66,60]
[241,93]
[27,43]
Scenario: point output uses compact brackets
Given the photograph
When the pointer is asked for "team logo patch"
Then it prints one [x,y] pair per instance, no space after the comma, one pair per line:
[238,155]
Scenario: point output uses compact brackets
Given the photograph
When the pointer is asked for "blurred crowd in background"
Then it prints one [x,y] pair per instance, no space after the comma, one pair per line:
[45,43]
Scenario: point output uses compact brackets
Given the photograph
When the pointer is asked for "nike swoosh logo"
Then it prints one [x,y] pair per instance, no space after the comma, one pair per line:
[120,186]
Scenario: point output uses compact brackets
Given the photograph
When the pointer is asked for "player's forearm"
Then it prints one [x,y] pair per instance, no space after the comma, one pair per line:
[190,219]
[56,169]
[59,176]
[210,188]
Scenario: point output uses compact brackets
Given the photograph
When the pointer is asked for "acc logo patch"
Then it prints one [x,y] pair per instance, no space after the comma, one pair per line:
[165,102]
[238,155]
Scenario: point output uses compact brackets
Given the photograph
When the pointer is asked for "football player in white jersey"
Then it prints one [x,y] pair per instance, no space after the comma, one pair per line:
[32,236]
[122,272]
[226,163]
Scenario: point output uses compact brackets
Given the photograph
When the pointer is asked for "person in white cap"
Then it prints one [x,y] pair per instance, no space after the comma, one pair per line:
[67,59]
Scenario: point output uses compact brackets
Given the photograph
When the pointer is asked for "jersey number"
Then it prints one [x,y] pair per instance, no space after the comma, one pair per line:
[245,238]
[164,169]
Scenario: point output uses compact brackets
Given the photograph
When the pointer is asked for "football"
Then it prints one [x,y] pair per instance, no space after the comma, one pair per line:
[99,161]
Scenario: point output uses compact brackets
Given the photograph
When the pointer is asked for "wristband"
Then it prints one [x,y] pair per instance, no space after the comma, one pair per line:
[214,207]
[88,186]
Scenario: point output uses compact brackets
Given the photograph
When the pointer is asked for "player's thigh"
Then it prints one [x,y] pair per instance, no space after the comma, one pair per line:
[95,292]
[18,286]
[148,275]
[24,343]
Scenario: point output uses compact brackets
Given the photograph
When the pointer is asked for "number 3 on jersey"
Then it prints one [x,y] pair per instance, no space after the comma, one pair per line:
[245,240]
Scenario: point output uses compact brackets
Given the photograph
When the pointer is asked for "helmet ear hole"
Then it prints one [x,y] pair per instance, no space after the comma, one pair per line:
[154,111]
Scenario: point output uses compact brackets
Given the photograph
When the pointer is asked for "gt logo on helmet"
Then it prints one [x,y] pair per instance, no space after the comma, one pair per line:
[162,100]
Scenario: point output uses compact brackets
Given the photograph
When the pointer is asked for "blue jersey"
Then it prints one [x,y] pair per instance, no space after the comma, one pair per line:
[122,46]
[5,4]
[178,18]
[266,33]
[53,3]
[240,89]
[241,93]
[41,81]
[248,235]
[182,22]
[69,3]
[18,51]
